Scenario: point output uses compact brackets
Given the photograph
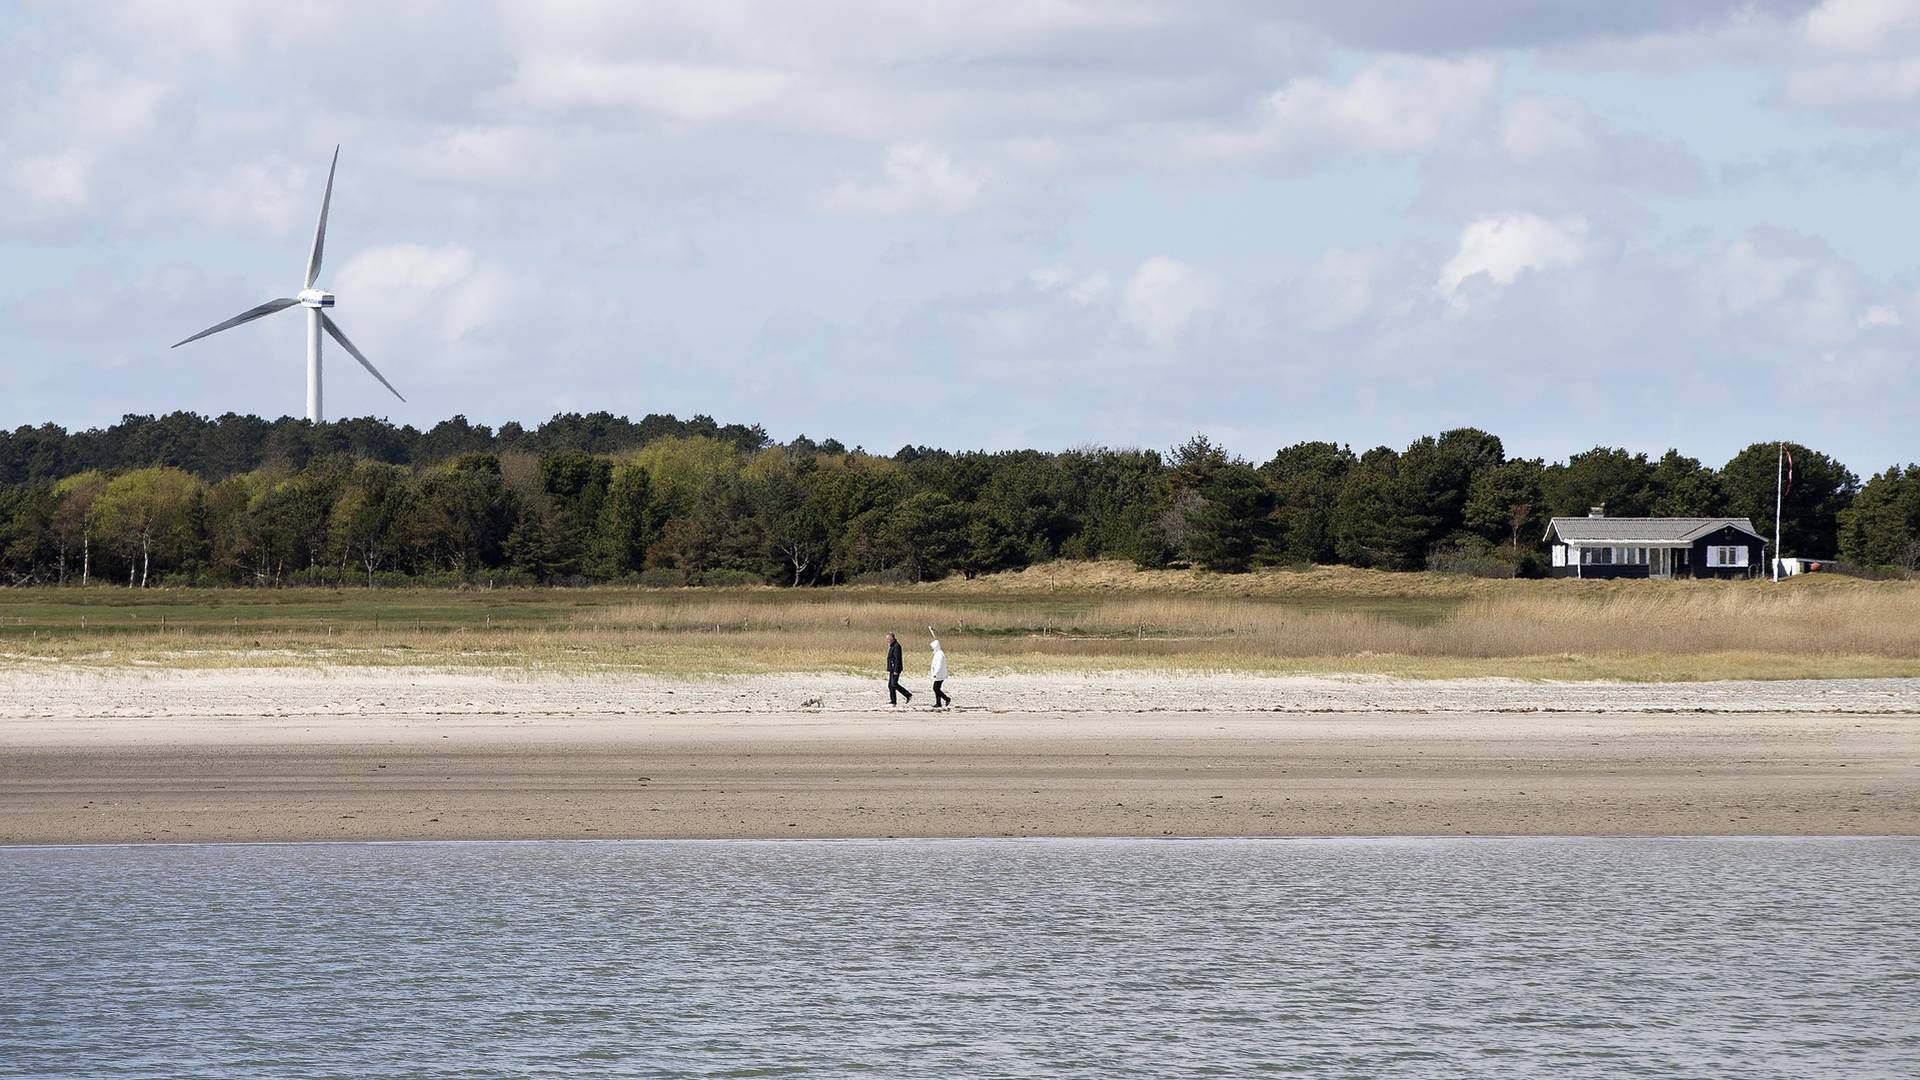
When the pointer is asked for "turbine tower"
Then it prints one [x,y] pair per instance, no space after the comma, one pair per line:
[316,301]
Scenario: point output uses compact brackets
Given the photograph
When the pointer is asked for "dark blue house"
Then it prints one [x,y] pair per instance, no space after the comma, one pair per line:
[1598,546]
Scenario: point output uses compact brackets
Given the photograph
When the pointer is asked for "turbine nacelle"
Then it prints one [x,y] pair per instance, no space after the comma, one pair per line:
[314,298]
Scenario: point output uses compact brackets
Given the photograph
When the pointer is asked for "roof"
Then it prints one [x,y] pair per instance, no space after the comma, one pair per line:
[1631,530]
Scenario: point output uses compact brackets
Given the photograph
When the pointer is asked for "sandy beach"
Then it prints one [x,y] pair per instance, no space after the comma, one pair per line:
[385,754]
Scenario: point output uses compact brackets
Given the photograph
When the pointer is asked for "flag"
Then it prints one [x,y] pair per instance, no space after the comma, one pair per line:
[1789,454]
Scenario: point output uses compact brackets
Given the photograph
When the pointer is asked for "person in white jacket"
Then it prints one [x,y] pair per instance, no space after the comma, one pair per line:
[939,671]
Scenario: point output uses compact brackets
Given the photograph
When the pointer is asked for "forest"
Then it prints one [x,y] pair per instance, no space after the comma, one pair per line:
[583,498]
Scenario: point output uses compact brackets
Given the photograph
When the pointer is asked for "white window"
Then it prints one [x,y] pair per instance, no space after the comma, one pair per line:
[1559,554]
[1601,556]
[1727,555]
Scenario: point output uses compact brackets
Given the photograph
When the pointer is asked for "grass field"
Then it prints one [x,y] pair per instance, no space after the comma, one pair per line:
[1056,617]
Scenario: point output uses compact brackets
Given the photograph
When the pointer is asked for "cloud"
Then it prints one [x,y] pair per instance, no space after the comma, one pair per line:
[446,295]
[1862,53]
[1342,287]
[1783,285]
[1164,296]
[1504,246]
[606,201]
[1082,289]
[1862,25]
[1517,24]
[1555,156]
[916,178]
[1393,105]
[1879,315]
[42,187]
[1879,82]
[677,91]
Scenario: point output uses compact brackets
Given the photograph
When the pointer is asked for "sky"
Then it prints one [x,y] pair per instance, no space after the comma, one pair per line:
[985,225]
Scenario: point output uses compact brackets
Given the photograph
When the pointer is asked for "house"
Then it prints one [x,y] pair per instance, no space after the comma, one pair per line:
[1598,546]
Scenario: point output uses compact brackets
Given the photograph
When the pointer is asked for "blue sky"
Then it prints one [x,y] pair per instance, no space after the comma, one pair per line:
[1051,224]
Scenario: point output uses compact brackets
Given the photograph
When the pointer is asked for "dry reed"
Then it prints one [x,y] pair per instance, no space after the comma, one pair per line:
[1648,630]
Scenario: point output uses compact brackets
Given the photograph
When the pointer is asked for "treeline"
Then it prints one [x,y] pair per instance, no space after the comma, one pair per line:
[240,501]
[216,448]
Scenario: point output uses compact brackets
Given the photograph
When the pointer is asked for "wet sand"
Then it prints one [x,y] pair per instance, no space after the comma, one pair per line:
[269,755]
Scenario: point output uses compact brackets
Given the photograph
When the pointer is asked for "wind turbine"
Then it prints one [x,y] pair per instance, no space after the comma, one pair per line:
[316,301]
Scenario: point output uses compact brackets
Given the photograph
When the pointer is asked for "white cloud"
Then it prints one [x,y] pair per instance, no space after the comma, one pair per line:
[42,187]
[1533,130]
[1084,290]
[1394,105]
[1786,285]
[916,178]
[678,91]
[509,154]
[274,197]
[446,295]
[1879,82]
[1863,54]
[1507,245]
[1879,315]
[1339,289]
[1165,295]
[1862,25]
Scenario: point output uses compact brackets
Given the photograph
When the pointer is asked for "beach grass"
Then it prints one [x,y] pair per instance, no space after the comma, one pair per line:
[1067,616]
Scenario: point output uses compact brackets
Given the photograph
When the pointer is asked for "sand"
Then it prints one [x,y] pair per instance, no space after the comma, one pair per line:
[388,754]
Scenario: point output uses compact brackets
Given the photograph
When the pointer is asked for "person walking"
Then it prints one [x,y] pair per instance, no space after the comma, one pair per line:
[938,671]
[895,665]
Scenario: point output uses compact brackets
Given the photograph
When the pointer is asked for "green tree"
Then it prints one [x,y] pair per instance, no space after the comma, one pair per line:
[73,520]
[1122,496]
[1822,487]
[628,523]
[1220,513]
[1433,478]
[291,519]
[539,545]
[27,543]
[1882,524]
[720,533]
[928,534]
[144,513]
[1306,479]
[1603,476]
[1505,503]
[1231,524]
[461,515]
[1680,486]
[1374,526]
[364,522]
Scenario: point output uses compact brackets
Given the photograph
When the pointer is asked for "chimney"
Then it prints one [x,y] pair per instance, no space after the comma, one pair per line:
[1597,511]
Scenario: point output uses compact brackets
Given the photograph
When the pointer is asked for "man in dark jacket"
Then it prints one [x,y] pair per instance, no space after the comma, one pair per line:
[895,665]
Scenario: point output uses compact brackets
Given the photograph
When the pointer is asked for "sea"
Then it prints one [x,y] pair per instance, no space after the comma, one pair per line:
[1356,958]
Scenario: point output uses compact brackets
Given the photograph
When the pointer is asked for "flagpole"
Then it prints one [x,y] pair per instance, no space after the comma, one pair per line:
[1779,473]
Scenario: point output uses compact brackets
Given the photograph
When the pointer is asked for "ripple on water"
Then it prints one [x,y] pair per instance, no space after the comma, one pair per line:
[1532,957]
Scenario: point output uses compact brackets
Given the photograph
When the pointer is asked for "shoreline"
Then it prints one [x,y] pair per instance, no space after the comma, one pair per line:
[148,692]
[277,756]
[1118,838]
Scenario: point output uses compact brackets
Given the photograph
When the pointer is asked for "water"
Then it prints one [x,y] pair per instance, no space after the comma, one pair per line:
[1343,958]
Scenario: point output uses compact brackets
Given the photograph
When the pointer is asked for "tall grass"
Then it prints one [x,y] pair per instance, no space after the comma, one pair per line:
[1543,629]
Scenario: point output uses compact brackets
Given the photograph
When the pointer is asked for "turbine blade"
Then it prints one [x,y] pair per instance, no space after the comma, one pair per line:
[333,330]
[249,315]
[320,230]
